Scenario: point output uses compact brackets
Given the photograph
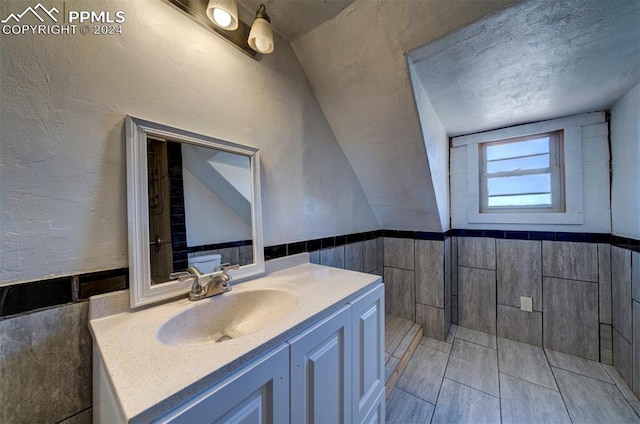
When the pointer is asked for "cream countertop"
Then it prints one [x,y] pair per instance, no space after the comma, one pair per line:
[150,378]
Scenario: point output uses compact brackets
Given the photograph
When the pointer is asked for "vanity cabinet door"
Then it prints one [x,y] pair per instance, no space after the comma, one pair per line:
[321,371]
[377,413]
[258,393]
[367,319]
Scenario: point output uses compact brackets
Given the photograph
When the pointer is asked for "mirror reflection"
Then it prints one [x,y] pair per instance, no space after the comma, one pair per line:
[199,208]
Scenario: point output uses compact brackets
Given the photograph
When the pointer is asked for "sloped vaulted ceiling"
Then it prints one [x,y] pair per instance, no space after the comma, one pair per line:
[357,67]
[292,18]
[537,60]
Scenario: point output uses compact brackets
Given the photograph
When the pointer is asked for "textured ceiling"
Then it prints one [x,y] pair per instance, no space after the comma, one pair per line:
[357,67]
[536,60]
[292,18]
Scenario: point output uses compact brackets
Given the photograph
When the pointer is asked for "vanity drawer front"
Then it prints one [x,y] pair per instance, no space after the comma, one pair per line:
[321,371]
[367,316]
[258,393]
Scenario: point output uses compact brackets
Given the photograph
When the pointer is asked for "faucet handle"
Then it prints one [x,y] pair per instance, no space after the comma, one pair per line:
[183,276]
[228,267]
[226,278]
[221,267]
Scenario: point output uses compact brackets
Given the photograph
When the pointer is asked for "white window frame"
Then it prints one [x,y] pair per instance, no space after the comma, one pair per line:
[555,168]
[572,143]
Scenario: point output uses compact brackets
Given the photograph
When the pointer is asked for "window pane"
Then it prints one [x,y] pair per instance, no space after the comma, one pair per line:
[521,184]
[521,200]
[531,162]
[518,148]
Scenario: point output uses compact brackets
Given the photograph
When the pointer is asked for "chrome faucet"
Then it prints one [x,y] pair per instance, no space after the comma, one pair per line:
[214,284]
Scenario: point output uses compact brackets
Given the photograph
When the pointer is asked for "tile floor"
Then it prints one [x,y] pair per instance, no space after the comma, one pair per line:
[398,333]
[475,377]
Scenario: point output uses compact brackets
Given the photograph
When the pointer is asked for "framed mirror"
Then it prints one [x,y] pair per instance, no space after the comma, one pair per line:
[192,200]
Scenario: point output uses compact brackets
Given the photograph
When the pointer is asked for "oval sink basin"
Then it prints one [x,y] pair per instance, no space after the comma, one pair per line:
[228,316]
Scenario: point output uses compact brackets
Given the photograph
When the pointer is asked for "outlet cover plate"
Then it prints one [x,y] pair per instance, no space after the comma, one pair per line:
[526,303]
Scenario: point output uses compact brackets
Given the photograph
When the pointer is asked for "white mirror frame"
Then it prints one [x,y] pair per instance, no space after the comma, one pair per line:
[142,292]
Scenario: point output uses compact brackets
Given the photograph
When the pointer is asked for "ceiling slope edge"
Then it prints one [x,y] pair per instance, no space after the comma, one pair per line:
[357,68]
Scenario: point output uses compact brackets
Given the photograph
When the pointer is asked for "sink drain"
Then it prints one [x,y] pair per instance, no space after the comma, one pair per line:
[223,338]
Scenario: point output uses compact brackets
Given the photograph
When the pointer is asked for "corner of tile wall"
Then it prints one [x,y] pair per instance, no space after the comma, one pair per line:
[416,279]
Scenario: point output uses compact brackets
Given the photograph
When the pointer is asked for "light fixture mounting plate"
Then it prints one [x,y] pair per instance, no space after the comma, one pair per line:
[197,11]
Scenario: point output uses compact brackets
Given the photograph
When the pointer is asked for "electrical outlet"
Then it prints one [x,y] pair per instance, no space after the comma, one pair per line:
[526,304]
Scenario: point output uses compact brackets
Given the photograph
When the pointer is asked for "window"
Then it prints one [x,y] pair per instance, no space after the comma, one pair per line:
[568,190]
[523,174]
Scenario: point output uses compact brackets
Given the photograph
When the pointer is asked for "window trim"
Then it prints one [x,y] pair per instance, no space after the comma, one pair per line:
[572,129]
[555,168]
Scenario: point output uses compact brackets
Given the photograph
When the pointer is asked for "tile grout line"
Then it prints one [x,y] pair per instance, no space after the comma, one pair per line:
[530,382]
[495,281]
[482,391]
[632,333]
[542,303]
[569,279]
[599,315]
[415,286]
[478,344]
[564,403]
[76,414]
[402,269]
[498,358]
[442,381]
[434,348]
[586,376]
[620,391]
[415,396]
[457,282]
[475,267]
[473,388]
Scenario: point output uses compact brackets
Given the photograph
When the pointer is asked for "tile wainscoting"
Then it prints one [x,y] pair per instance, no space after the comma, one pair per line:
[432,278]
[585,290]
[46,359]
[24,297]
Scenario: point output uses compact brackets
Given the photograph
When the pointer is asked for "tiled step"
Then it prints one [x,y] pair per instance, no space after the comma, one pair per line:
[401,339]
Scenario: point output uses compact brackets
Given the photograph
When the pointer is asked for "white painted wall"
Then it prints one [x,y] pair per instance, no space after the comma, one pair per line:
[357,65]
[436,143]
[625,165]
[62,161]
[235,169]
[594,151]
[208,219]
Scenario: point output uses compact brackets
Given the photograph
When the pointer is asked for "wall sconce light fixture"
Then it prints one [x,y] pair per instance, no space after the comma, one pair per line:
[221,16]
[223,13]
[261,36]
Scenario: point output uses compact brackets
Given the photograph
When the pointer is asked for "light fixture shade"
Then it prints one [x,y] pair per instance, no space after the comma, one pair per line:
[261,36]
[223,13]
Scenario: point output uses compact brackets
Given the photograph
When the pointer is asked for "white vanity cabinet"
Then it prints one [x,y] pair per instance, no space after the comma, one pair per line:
[377,414]
[367,321]
[331,372]
[337,366]
[258,393]
[321,371]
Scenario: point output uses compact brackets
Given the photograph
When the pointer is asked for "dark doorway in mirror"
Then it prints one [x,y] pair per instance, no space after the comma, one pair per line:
[167,231]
